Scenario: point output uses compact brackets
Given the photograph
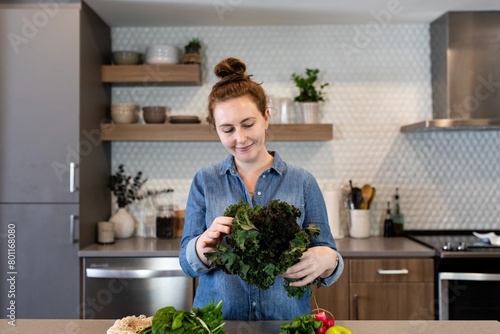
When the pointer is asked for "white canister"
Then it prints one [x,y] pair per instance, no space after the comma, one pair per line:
[105,233]
[359,223]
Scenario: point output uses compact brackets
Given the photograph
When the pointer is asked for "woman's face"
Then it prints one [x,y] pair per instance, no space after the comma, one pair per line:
[241,128]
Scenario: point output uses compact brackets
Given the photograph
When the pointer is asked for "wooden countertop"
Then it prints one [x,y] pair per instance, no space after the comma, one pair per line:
[348,247]
[264,327]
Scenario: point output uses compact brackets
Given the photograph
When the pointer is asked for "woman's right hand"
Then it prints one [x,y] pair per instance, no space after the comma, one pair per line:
[211,238]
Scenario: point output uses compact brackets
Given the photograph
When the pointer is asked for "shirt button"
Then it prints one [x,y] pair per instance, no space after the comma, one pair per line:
[263,176]
[259,193]
[254,303]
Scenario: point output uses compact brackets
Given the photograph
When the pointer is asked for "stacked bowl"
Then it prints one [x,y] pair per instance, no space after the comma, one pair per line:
[124,113]
[162,54]
[154,114]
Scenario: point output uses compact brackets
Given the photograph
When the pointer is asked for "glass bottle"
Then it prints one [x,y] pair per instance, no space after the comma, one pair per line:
[397,216]
[165,222]
[388,223]
[149,215]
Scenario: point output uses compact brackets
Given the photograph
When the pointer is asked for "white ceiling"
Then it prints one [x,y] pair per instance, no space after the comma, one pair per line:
[144,13]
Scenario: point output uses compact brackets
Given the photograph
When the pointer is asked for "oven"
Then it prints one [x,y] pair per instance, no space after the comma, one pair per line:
[467,282]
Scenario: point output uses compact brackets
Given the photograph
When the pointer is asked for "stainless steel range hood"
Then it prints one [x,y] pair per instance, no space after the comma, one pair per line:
[465,68]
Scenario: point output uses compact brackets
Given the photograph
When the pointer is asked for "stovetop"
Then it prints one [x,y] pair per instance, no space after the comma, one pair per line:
[455,243]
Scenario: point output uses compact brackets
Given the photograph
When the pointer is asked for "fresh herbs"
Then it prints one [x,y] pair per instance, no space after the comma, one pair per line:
[264,242]
[207,320]
[305,324]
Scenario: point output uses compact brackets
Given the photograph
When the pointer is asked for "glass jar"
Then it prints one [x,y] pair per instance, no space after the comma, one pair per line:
[165,222]
[150,215]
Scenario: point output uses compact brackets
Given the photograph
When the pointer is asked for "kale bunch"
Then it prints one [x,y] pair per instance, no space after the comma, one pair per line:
[264,242]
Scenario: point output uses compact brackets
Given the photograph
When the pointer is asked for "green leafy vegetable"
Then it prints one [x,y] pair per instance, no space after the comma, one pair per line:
[264,242]
[207,320]
[305,324]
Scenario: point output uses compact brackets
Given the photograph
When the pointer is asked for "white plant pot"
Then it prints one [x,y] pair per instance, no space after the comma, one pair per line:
[124,224]
[310,112]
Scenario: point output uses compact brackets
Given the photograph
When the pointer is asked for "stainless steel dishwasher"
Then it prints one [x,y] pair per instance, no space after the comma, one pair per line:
[119,287]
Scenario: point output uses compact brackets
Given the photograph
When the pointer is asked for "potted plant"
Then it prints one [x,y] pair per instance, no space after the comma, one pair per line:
[192,52]
[310,94]
[125,188]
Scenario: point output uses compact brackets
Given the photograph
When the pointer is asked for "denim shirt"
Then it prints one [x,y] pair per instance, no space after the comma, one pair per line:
[216,187]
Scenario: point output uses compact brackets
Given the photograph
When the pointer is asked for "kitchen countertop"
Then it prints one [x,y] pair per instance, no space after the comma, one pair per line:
[263,327]
[134,247]
[348,247]
[382,247]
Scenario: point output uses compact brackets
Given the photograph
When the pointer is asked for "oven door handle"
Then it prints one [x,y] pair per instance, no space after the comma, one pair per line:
[469,276]
[138,273]
[393,271]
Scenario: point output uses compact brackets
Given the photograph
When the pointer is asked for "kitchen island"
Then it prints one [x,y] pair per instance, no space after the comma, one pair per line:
[262,327]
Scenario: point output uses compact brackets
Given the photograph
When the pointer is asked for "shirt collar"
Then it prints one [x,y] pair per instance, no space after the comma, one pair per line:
[229,166]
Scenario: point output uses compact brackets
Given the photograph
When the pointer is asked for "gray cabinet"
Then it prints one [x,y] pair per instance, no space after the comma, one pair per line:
[46,269]
[51,105]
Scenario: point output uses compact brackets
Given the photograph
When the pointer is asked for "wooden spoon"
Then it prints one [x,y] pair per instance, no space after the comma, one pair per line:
[367,192]
[371,198]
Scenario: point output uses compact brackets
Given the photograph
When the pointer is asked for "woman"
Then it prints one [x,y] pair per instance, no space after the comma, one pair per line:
[237,111]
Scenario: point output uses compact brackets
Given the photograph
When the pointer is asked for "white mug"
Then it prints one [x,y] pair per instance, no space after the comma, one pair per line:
[359,224]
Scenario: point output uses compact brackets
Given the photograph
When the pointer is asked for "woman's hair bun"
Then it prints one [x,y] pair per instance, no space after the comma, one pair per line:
[233,67]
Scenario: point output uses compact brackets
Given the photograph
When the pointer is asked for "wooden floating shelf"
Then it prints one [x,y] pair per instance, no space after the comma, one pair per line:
[202,132]
[152,75]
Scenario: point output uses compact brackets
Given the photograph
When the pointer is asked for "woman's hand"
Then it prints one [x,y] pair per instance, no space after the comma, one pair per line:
[209,239]
[319,261]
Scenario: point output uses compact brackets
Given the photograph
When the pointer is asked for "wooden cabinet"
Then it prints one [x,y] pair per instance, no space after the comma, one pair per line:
[382,289]
[334,298]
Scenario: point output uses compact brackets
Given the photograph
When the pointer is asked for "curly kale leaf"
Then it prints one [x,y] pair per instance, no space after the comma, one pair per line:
[264,242]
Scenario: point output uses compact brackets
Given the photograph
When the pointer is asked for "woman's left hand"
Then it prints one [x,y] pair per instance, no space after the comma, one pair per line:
[319,261]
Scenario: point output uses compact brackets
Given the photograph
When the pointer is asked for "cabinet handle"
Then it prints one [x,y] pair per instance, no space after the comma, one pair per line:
[73,237]
[72,187]
[355,299]
[393,271]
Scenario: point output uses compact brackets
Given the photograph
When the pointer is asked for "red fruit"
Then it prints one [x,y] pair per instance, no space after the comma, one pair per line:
[330,323]
[321,316]
[321,330]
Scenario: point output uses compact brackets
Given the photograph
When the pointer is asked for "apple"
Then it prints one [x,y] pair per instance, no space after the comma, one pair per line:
[338,330]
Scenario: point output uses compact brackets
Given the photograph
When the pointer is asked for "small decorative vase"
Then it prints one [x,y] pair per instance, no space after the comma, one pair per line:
[310,112]
[124,224]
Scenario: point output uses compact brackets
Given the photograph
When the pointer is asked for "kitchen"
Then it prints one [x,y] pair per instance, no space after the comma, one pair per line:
[377,85]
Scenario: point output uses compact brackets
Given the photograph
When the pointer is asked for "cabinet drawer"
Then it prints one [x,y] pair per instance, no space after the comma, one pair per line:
[391,270]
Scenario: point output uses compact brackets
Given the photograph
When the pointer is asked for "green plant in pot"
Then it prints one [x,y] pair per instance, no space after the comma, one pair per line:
[310,94]
[125,188]
[192,52]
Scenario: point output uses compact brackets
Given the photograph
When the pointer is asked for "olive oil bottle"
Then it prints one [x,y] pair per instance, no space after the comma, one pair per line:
[388,223]
[397,215]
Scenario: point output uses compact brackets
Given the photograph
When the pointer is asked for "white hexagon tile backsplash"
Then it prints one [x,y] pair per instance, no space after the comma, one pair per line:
[446,180]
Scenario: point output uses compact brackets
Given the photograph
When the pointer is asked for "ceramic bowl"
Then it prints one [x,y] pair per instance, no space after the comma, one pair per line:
[124,113]
[163,54]
[154,114]
[126,58]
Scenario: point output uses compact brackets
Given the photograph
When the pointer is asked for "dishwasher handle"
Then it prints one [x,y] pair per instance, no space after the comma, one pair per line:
[134,273]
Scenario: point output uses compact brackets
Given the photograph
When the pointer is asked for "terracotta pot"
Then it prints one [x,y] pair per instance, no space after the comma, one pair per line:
[124,224]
